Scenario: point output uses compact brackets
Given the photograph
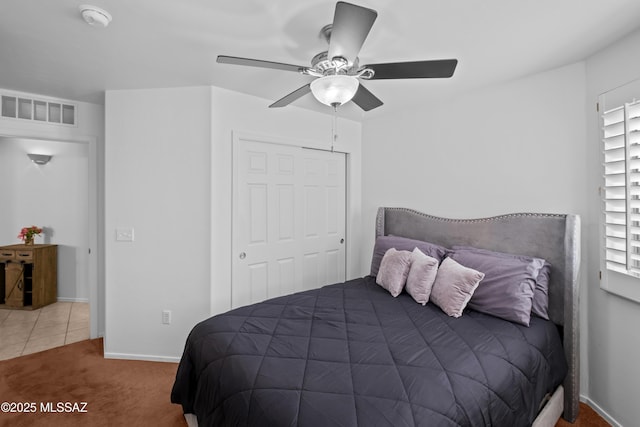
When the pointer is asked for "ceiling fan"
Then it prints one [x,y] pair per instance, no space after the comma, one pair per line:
[338,74]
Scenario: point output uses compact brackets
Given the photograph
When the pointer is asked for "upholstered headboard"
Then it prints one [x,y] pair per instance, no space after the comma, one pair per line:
[553,237]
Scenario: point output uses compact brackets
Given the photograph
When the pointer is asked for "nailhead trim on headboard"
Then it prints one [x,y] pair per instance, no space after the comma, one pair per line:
[380,218]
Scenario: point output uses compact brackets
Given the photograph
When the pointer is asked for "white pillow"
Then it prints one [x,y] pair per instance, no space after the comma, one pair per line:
[454,287]
[394,269]
[421,276]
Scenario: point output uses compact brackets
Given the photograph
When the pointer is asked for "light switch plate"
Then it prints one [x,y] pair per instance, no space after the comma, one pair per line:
[124,234]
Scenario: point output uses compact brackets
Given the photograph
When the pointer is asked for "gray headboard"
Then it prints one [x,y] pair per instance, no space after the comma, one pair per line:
[553,237]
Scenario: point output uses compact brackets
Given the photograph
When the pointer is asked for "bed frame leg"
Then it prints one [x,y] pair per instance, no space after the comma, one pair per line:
[191,419]
[552,411]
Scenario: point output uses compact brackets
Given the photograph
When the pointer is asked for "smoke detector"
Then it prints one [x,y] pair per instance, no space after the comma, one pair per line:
[95,16]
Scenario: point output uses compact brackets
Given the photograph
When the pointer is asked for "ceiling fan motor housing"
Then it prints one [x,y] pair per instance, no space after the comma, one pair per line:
[337,65]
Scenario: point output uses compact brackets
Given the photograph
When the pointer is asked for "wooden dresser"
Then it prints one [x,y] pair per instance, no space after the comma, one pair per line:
[28,276]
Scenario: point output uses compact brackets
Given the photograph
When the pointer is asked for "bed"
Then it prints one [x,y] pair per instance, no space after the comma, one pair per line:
[350,354]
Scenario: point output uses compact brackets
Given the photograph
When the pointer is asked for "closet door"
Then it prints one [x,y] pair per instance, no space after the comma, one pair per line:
[289,213]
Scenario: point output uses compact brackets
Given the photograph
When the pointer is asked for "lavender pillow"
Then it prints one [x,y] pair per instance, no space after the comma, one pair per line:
[540,306]
[540,303]
[422,274]
[508,285]
[454,286]
[384,243]
[394,270]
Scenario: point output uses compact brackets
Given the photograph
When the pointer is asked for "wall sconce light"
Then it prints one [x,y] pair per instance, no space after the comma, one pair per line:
[39,159]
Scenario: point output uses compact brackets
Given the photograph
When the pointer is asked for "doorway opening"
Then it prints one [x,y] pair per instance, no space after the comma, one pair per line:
[60,198]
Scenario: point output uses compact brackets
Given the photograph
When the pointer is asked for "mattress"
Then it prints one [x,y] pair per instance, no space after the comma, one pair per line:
[350,354]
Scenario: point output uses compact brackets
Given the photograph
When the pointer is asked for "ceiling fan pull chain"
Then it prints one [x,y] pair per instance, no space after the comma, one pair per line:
[334,126]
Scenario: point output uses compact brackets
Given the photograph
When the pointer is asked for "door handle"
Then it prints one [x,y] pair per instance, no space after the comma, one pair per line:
[341,241]
[242,255]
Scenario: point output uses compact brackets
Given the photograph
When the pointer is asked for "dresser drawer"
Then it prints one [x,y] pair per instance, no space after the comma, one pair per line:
[7,255]
[22,255]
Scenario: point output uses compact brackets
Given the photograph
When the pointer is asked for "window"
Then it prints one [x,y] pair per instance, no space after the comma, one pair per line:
[621,144]
[619,120]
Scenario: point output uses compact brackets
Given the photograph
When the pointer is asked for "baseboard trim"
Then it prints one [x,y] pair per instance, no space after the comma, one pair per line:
[608,418]
[144,357]
[63,299]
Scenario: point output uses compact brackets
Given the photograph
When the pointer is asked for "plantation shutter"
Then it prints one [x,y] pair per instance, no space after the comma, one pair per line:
[621,145]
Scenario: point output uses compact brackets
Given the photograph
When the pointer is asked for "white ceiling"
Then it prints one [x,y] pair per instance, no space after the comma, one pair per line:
[46,48]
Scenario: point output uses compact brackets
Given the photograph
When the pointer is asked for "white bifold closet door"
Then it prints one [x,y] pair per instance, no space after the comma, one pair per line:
[289,213]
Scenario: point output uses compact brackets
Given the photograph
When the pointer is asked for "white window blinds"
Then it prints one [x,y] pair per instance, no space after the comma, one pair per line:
[621,145]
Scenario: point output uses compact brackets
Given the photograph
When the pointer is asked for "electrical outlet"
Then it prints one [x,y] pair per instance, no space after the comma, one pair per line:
[166,317]
[124,234]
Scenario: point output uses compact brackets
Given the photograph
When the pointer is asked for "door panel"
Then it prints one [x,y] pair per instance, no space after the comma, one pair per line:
[289,213]
[258,214]
[325,210]
[286,212]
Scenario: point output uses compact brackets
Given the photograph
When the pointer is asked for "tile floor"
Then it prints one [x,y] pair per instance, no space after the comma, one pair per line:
[30,331]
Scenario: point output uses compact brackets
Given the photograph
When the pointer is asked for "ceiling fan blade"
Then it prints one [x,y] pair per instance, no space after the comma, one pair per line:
[223,59]
[441,68]
[351,25]
[288,99]
[365,99]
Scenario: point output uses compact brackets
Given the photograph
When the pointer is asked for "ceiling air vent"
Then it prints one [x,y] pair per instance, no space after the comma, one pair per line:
[18,107]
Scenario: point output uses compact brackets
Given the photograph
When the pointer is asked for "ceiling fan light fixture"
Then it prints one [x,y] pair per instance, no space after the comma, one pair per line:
[334,90]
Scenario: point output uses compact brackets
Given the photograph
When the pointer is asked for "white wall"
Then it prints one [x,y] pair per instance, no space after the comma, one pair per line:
[168,175]
[514,147]
[614,336]
[53,196]
[157,181]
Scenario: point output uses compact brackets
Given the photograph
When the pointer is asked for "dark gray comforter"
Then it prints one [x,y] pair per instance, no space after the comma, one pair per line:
[352,355]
